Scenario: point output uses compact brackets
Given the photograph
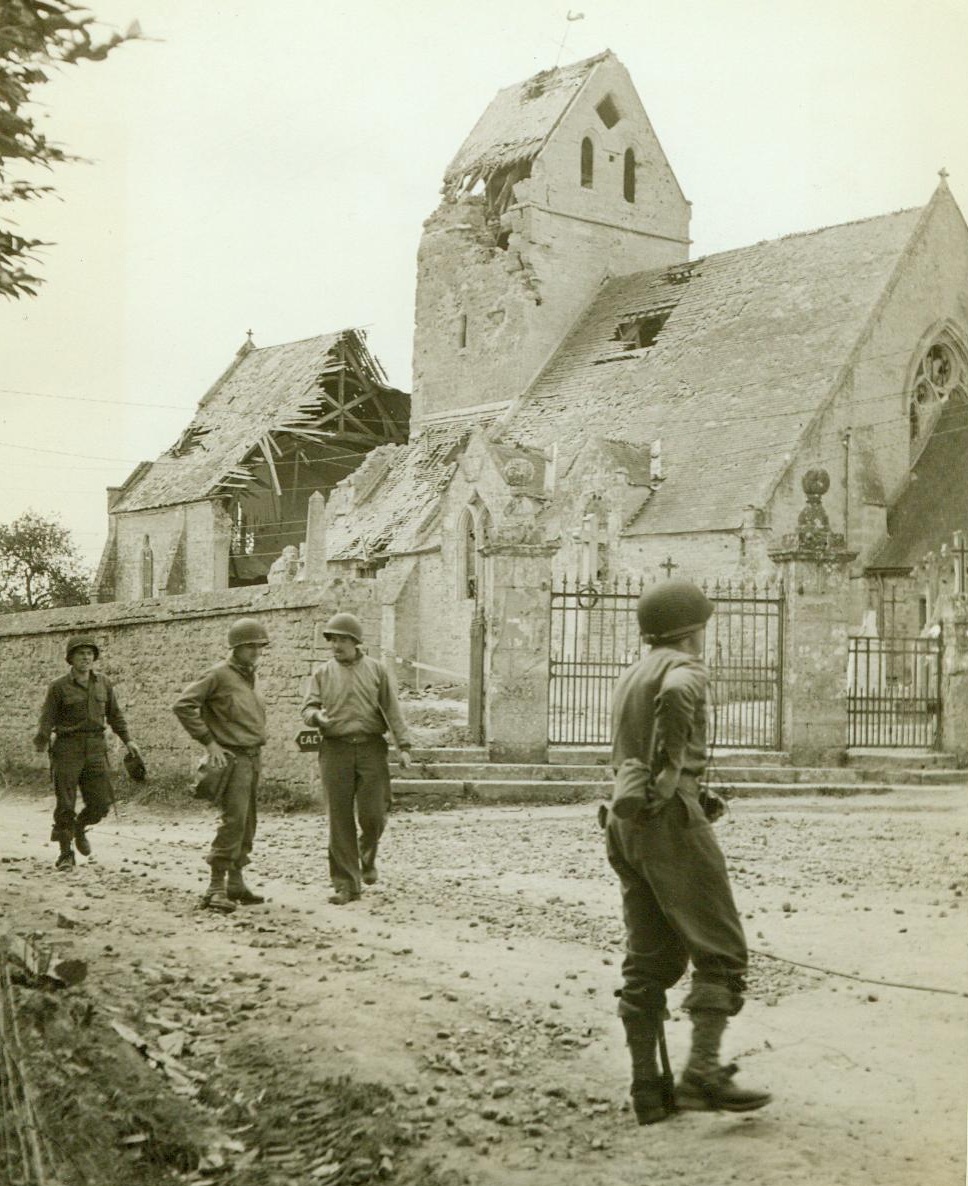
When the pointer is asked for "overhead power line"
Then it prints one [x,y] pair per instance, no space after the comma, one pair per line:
[87,399]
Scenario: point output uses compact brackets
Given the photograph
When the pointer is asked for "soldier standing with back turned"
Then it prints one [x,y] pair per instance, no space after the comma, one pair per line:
[676,896]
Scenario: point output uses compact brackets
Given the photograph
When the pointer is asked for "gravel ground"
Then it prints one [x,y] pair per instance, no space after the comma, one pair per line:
[472,991]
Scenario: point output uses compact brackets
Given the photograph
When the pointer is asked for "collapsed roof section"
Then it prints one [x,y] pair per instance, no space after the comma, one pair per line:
[515,127]
[396,512]
[323,399]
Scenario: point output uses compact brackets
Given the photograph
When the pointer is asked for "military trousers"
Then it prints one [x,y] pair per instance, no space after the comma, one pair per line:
[678,908]
[79,762]
[356,781]
[237,824]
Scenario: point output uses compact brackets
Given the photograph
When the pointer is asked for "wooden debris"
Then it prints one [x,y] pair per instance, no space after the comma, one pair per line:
[39,959]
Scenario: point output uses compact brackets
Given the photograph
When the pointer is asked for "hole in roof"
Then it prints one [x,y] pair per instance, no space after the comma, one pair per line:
[641,331]
[608,113]
[189,439]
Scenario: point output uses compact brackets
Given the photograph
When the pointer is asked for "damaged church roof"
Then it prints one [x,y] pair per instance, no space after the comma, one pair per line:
[406,498]
[725,358]
[518,121]
[265,391]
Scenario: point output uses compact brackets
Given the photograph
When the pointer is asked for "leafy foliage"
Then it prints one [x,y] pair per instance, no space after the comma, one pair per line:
[36,38]
[39,566]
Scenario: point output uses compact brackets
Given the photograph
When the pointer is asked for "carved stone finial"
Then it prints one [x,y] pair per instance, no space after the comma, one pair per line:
[813,526]
[815,483]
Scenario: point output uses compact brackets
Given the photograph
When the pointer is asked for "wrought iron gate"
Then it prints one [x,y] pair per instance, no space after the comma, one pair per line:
[894,692]
[595,636]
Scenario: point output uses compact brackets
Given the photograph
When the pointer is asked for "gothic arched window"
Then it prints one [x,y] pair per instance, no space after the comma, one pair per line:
[147,569]
[628,176]
[473,531]
[587,163]
[941,377]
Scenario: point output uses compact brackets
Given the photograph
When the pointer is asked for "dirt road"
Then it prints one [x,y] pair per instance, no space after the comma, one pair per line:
[475,982]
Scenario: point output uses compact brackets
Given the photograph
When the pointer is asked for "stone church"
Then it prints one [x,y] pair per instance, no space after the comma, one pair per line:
[579,378]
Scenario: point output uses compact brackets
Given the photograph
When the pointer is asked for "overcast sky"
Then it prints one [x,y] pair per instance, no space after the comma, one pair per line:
[268,167]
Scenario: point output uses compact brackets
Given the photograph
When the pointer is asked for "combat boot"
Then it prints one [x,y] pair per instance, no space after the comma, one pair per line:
[65,862]
[237,891]
[81,841]
[215,897]
[652,1095]
[706,1085]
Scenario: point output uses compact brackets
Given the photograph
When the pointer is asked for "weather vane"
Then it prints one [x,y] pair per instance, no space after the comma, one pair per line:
[569,18]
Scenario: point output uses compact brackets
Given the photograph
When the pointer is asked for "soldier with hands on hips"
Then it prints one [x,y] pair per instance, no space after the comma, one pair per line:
[677,900]
[76,709]
[224,712]
[351,700]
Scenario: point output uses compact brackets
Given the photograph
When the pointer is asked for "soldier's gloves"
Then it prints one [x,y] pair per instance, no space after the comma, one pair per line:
[135,766]
[712,804]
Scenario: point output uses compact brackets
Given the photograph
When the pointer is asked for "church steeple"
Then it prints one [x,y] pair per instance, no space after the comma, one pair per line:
[561,183]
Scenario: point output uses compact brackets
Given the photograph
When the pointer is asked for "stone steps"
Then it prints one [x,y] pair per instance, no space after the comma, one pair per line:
[463,775]
[437,791]
[908,759]
[776,775]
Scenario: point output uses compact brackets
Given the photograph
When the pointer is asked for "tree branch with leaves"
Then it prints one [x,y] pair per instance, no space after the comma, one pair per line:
[39,566]
[37,38]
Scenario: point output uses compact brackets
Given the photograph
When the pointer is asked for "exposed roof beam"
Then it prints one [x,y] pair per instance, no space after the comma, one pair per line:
[265,445]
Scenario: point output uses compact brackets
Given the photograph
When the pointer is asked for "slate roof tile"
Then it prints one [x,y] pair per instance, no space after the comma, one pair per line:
[753,342]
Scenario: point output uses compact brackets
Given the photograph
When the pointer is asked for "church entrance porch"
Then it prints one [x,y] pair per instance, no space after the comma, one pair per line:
[594,635]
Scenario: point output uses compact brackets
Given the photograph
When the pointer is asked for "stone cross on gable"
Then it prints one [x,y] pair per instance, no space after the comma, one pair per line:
[668,565]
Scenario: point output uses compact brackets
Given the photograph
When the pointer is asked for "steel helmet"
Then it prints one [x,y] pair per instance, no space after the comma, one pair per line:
[672,610]
[342,623]
[81,640]
[248,632]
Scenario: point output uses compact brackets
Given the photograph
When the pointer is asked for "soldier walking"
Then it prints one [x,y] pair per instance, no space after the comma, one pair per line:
[224,712]
[352,701]
[76,708]
[677,901]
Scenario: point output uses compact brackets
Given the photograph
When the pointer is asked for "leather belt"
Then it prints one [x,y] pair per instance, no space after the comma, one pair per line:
[355,738]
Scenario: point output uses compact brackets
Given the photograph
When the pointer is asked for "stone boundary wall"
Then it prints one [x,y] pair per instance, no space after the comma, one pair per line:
[151,649]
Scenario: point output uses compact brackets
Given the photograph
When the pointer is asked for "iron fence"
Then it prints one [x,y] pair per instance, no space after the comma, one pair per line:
[894,692]
[595,636]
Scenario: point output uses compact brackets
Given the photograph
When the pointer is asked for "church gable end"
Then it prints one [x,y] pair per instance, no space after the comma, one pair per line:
[560,183]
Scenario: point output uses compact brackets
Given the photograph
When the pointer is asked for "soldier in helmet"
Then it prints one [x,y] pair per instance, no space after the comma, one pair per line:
[76,708]
[224,712]
[352,701]
[676,895]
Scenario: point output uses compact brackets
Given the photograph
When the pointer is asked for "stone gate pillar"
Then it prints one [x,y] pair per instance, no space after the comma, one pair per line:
[516,655]
[814,564]
[954,679]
